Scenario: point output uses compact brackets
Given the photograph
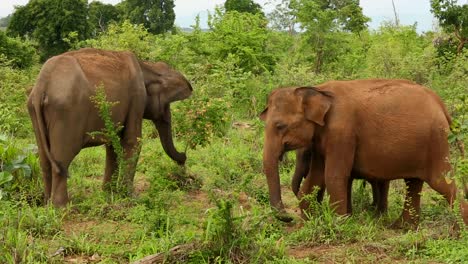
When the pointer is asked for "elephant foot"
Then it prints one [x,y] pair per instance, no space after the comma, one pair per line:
[283,216]
[404,223]
[60,201]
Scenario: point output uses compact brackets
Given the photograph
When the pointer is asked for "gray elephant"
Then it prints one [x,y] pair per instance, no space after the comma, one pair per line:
[63,114]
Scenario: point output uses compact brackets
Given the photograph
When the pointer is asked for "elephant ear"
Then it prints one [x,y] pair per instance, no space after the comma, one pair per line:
[315,103]
[263,115]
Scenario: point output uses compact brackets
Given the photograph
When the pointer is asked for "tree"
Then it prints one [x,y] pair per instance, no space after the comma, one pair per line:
[453,18]
[243,37]
[283,17]
[243,6]
[324,19]
[100,15]
[156,15]
[4,21]
[49,22]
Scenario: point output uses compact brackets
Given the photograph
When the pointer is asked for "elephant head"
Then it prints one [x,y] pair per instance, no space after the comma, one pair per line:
[164,85]
[291,119]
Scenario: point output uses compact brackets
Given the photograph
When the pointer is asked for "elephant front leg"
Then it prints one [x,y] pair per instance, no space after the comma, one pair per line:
[338,166]
[315,179]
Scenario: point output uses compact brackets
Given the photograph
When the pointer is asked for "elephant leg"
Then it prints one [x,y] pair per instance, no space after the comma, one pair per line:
[64,146]
[440,166]
[304,158]
[111,167]
[349,209]
[314,179]
[63,157]
[338,165]
[382,204]
[380,195]
[411,208]
[131,146]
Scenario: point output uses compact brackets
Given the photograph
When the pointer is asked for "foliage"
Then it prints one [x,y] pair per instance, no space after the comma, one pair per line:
[157,16]
[123,36]
[18,171]
[243,6]
[120,183]
[399,52]
[14,118]
[244,36]
[453,18]
[201,118]
[323,20]
[4,21]
[16,52]
[101,15]
[283,17]
[49,22]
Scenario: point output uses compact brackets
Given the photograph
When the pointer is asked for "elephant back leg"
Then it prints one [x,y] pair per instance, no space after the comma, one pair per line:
[111,167]
[440,167]
[66,139]
[411,207]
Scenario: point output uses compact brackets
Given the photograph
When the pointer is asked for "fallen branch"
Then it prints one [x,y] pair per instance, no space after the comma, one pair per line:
[174,253]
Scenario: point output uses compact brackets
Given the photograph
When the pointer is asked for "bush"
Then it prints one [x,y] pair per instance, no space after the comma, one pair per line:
[244,36]
[198,119]
[399,52]
[14,84]
[16,53]
[125,36]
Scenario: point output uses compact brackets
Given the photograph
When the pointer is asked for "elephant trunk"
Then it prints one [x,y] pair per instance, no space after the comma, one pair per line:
[270,166]
[163,125]
[303,158]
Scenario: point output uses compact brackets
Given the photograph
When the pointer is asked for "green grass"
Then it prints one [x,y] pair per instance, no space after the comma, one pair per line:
[218,202]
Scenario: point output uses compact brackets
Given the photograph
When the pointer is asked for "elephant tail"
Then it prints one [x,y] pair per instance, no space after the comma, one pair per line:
[38,106]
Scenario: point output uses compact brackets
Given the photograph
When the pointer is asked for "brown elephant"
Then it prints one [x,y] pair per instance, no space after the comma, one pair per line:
[381,129]
[63,114]
[310,167]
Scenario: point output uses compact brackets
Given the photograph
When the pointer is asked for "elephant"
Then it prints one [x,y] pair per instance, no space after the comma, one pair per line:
[310,167]
[381,129]
[63,114]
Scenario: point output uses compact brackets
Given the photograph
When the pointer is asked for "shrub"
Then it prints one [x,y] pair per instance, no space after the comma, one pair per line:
[17,53]
[125,36]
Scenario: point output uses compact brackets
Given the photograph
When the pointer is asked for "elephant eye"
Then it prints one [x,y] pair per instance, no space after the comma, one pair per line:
[280,126]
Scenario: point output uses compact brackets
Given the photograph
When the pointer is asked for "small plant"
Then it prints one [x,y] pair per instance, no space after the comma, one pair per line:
[203,119]
[121,182]
[18,170]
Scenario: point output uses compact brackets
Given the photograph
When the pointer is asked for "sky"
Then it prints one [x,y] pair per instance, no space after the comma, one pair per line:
[409,11]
